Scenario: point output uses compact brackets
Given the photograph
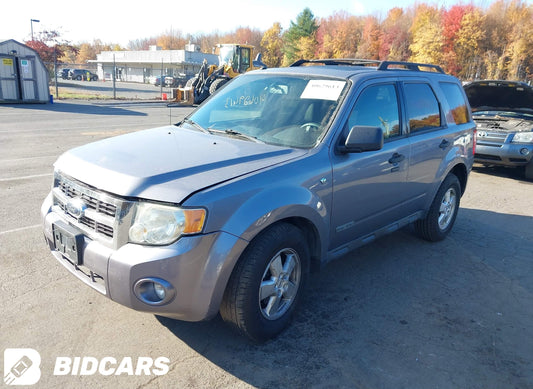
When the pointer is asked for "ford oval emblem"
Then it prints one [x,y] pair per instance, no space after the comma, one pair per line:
[76,207]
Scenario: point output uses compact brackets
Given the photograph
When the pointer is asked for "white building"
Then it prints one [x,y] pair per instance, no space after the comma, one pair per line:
[142,66]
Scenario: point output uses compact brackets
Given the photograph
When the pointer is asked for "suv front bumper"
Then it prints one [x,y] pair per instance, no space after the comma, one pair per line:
[506,154]
[197,269]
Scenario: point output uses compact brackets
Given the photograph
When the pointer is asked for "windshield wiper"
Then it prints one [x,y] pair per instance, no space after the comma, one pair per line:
[194,125]
[237,134]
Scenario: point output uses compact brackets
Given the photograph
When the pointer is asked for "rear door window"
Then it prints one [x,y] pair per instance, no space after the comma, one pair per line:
[423,112]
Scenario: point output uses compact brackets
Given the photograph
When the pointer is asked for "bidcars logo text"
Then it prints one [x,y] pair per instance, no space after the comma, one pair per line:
[111,366]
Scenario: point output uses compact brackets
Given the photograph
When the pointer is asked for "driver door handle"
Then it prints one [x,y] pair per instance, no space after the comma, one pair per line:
[396,158]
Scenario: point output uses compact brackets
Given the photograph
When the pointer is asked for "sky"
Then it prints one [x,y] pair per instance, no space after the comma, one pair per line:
[121,22]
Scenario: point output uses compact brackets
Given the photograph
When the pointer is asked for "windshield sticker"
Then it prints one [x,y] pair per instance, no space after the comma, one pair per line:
[323,89]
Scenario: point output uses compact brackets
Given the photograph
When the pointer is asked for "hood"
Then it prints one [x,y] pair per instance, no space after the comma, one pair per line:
[167,163]
[502,96]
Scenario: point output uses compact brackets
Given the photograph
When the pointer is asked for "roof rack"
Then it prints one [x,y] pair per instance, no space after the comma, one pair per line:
[337,61]
[381,65]
[417,67]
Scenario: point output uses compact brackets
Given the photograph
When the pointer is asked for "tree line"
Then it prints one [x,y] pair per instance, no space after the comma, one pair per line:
[469,42]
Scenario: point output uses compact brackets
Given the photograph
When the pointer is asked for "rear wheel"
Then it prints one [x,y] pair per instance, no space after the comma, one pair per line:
[267,282]
[443,211]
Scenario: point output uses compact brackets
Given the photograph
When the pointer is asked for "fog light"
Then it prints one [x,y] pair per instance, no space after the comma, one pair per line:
[524,151]
[159,291]
[154,291]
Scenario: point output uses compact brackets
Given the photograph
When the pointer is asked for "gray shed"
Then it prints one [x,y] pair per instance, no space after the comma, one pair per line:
[23,76]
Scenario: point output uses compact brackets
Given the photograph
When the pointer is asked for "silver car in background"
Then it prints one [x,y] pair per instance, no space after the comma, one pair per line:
[503,112]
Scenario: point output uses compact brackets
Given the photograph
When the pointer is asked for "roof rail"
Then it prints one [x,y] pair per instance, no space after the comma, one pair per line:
[337,61]
[381,65]
[417,67]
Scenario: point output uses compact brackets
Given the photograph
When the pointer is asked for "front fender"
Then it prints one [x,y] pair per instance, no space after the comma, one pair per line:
[281,203]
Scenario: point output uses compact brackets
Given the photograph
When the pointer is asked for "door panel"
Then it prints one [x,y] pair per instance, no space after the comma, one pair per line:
[368,191]
[27,77]
[369,188]
[8,78]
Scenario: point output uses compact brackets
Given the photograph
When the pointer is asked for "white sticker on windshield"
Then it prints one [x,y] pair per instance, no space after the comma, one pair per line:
[323,89]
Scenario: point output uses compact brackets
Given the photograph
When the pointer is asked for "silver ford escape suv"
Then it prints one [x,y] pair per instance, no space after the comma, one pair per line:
[279,172]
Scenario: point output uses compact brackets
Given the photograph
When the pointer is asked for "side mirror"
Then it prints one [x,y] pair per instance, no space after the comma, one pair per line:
[363,138]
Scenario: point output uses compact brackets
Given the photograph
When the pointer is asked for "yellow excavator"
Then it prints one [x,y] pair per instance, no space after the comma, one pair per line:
[234,59]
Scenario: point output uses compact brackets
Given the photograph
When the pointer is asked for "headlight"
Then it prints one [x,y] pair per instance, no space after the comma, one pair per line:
[158,224]
[523,137]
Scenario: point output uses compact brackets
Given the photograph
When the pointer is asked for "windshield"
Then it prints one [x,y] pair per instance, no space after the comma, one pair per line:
[226,54]
[497,96]
[292,111]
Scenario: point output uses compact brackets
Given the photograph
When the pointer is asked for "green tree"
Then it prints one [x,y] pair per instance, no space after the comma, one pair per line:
[305,27]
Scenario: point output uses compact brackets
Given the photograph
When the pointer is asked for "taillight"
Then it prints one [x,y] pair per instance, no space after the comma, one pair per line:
[475,140]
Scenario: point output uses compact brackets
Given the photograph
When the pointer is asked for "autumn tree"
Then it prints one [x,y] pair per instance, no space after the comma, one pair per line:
[271,46]
[395,36]
[426,35]
[304,27]
[338,36]
[172,40]
[370,42]
[467,45]
[520,47]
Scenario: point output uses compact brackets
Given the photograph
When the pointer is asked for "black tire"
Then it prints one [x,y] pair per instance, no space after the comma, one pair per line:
[190,82]
[94,78]
[443,211]
[280,247]
[216,85]
[79,78]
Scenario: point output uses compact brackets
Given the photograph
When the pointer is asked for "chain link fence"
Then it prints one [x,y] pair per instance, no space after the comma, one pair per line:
[86,81]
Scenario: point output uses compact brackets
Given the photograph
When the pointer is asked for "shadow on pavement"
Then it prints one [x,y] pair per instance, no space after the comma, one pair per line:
[516,173]
[81,108]
[400,312]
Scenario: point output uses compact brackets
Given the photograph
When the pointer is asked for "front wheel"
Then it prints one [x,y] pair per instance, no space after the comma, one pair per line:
[443,211]
[267,282]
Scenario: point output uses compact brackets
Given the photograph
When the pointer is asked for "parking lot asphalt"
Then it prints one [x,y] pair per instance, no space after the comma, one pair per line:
[397,313]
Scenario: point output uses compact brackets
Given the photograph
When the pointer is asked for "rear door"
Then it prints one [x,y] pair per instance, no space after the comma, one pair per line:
[428,137]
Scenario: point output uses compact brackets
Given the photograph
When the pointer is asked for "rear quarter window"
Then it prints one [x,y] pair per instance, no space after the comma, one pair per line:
[456,102]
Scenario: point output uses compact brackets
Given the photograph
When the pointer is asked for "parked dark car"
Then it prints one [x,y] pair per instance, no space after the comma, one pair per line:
[82,75]
[170,81]
[63,73]
[503,112]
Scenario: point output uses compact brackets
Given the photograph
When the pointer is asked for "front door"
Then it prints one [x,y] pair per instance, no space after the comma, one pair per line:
[369,188]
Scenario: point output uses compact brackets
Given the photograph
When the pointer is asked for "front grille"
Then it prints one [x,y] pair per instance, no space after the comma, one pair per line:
[73,192]
[103,215]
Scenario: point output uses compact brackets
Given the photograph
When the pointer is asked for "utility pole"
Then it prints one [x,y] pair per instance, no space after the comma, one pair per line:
[31,24]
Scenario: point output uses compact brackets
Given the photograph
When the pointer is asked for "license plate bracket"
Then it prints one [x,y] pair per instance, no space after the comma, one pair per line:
[68,241]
